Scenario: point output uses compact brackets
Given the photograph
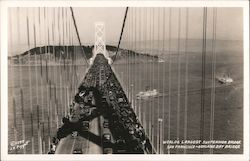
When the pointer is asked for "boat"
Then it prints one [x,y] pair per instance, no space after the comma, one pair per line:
[225,79]
[146,94]
[161,61]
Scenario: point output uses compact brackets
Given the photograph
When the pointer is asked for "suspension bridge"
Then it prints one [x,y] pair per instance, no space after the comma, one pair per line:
[155,86]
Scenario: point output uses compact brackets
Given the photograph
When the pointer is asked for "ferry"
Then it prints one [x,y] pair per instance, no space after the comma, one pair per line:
[224,79]
[161,61]
[146,94]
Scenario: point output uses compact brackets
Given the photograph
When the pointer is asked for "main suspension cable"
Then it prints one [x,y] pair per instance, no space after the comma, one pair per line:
[123,25]
[73,17]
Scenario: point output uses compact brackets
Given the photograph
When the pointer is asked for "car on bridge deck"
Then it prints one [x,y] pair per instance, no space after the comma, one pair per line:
[107,144]
[121,100]
[106,124]
[106,140]
[120,146]
[106,137]
[77,151]
[85,125]
[107,150]
[74,134]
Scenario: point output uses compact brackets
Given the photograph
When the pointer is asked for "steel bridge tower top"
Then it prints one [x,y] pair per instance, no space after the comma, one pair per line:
[100,44]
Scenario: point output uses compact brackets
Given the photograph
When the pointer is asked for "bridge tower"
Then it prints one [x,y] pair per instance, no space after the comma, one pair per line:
[100,45]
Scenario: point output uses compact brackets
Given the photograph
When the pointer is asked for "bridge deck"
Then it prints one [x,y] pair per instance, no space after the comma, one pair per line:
[102,105]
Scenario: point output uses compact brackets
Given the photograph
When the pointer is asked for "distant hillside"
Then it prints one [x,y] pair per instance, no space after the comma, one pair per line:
[59,51]
[70,52]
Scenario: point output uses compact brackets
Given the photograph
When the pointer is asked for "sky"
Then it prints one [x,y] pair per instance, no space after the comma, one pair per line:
[229,24]
[112,18]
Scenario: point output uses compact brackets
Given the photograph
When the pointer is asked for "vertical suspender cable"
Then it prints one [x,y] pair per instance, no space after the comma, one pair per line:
[53,49]
[138,81]
[132,56]
[12,80]
[60,24]
[40,48]
[51,105]
[68,67]
[30,89]
[64,47]
[36,78]
[147,46]
[213,76]
[131,51]
[146,64]
[48,76]
[158,82]
[186,77]
[64,67]
[179,75]
[163,79]
[139,64]
[133,62]
[19,58]
[41,80]
[153,49]
[142,47]
[19,43]
[141,114]
[64,62]
[43,92]
[46,48]
[54,69]
[60,61]
[169,76]
[67,59]
[150,73]
[129,44]
[202,113]
[128,48]
[21,82]
[56,51]
[71,58]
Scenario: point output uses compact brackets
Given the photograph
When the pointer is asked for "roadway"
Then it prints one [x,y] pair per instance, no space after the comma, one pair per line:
[68,144]
[128,138]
